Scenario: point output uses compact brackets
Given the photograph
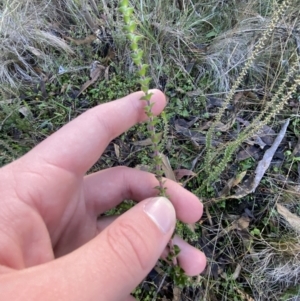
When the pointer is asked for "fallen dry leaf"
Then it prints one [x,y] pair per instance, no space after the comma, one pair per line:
[238,179]
[237,97]
[64,88]
[294,188]
[7,102]
[194,135]
[232,183]
[296,151]
[243,295]
[292,219]
[266,134]
[242,223]
[117,150]
[224,127]
[250,152]
[87,40]
[251,95]
[214,102]
[96,70]
[25,111]
[237,272]
[256,140]
[243,189]
[166,167]
[180,173]
[205,125]
[176,294]
[147,141]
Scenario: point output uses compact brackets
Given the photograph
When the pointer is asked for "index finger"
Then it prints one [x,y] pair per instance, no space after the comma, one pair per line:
[79,144]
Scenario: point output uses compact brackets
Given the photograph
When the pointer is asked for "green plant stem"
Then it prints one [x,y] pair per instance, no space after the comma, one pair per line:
[137,57]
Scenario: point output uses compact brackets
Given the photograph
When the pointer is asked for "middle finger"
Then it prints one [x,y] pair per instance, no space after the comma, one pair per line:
[108,188]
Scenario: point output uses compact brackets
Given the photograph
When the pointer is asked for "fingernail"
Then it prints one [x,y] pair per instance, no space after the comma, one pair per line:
[162,213]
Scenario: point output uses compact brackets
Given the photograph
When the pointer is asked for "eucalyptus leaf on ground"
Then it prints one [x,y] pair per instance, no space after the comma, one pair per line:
[265,162]
[253,181]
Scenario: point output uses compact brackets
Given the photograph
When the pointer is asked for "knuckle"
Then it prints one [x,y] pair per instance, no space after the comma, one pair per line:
[129,246]
[105,126]
[121,169]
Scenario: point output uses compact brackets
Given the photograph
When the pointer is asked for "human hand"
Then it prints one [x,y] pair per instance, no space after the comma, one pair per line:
[53,246]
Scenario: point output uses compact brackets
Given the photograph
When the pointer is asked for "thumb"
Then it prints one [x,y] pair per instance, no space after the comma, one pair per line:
[132,244]
[111,265]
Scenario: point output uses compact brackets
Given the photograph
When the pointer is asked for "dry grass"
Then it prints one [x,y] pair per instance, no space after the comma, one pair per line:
[28,34]
[274,265]
[229,51]
[26,42]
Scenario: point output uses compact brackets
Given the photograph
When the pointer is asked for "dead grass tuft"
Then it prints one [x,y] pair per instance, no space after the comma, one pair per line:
[26,42]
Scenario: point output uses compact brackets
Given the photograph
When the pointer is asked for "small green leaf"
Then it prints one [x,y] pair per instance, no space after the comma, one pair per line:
[211,34]
[130,27]
[148,113]
[155,138]
[159,173]
[124,3]
[169,257]
[145,88]
[143,70]
[255,232]
[137,61]
[129,11]
[176,250]
[151,105]
[127,20]
[134,47]
[145,81]
[288,153]
[147,97]
[154,123]
[148,108]
[137,56]
[122,9]
[137,38]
